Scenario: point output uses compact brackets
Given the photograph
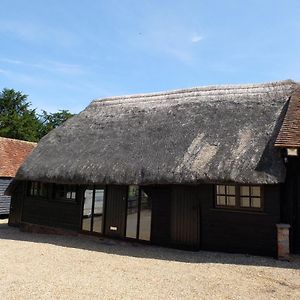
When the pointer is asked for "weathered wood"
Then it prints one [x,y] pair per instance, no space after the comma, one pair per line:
[4,200]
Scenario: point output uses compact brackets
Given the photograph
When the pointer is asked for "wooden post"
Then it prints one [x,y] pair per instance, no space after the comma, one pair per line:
[283,241]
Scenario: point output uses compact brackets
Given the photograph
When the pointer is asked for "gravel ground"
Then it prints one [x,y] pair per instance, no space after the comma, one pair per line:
[35,266]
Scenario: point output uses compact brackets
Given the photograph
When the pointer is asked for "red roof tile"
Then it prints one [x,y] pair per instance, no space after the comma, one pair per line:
[289,134]
[12,154]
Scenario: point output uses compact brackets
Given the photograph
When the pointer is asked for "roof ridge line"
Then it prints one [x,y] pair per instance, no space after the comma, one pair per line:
[208,88]
[213,88]
[21,141]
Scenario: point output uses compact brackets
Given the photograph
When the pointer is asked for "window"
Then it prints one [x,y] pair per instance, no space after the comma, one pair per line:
[139,213]
[226,195]
[37,189]
[246,197]
[65,192]
[93,204]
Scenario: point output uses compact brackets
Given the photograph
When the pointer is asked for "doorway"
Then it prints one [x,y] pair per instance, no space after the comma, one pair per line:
[139,214]
[93,208]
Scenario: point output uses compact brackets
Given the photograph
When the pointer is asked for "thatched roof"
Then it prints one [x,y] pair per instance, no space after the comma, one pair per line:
[206,134]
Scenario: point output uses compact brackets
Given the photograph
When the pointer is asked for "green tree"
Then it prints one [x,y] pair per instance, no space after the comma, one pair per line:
[52,120]
[17,120]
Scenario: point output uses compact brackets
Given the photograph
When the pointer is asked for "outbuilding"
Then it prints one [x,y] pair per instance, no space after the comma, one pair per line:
[212,168]
[12,154]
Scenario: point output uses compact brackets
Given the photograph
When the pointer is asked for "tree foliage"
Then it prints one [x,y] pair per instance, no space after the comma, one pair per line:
[53,120]
[19,121]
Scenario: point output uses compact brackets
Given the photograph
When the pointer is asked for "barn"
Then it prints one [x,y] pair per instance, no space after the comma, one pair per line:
[213,168]
[12,154]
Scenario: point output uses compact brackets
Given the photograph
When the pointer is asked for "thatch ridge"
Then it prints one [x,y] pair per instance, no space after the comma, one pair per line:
[190,136]
[234,89]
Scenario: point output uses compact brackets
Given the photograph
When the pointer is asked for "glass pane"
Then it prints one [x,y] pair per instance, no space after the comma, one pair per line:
[245,202]
[244,190]
[98,210]
[87,209]
[221,189]
[230,201]
[230,190]
[255,202]
[132,211]
[145,217]
[255,191]
[221,200]
[43,190]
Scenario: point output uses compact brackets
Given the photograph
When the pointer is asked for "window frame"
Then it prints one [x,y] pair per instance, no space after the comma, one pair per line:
[237,206]
[56,197]
[38,188]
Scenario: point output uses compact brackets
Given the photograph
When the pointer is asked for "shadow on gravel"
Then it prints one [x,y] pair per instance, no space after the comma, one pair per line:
[117,247]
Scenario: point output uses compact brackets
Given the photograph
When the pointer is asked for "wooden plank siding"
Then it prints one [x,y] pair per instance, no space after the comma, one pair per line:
[185,217]
[182,217]
[161,214]
[53,212]
[4,200]
[16,203]
[115,211]
[240,231]
[291,201]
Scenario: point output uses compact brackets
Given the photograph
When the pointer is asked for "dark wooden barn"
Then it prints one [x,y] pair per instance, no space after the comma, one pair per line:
[204,168]
[12,155]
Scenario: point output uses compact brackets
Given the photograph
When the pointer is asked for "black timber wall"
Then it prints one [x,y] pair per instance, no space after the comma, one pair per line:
[291,202]
[4,200]
[161,214]
[16,203]
[240,231]
[182,216]
[52,212]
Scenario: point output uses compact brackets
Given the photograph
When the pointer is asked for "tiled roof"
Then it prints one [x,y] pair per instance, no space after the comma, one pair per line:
[12,154]
[289,135]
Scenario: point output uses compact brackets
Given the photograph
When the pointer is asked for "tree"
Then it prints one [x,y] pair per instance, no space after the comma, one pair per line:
[52,120]
[17,120]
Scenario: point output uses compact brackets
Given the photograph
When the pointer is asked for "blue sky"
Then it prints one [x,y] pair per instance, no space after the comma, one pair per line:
[64,54]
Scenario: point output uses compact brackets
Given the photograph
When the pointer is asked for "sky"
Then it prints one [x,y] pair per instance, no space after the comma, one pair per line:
[63,54]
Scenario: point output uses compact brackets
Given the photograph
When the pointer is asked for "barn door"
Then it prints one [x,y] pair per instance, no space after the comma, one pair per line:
[185,218]
[115,211]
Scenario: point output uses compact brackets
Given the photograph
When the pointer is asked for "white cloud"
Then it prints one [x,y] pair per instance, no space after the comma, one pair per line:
[50,66]
[196,38]
[37,33]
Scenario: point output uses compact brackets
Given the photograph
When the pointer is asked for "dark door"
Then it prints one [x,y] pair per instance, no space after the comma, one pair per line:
[115,211]
[185,218]
[161,203]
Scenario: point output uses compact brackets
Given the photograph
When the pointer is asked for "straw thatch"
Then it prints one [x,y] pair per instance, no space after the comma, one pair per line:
[206,134]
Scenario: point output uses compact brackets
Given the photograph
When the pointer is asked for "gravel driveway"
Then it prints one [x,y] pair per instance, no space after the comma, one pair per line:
[35,266]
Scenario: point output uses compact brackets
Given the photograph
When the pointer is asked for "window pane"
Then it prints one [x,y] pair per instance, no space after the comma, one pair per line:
[132,211]
[255,191]
[245,202]
[43,190]
[221,189]
[230,190]
[244,190]
[98,210]
[145,217]
[87,209]
[255,202]
[221,200]
[230,201]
